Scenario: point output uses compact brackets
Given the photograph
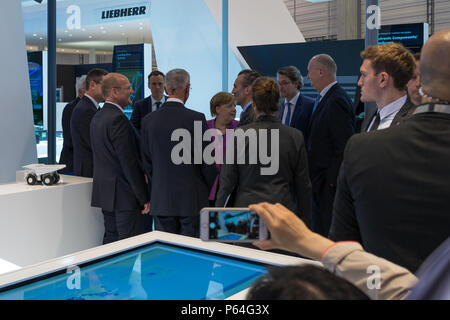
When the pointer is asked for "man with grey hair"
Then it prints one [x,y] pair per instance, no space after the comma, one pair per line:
[66,156]
[178,190]
[331,125]
[296,108]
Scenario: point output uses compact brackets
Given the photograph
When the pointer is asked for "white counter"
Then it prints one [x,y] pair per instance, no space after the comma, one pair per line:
[39,223]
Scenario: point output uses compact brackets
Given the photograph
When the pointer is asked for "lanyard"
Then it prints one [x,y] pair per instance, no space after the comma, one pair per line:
[433,107]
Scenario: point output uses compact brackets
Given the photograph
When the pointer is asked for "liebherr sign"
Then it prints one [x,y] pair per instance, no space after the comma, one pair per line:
[124,12]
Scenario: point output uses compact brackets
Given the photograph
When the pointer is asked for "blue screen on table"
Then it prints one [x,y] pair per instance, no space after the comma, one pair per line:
[156,271]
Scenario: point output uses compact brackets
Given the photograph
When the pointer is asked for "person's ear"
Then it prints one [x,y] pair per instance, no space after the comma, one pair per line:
[384,79]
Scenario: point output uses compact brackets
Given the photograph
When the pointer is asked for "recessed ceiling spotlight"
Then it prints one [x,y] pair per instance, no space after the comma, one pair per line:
[120,25]
[90,37]
[62,50]
[102,28]
[141,28]
[66,31]
[140,23]
[41,38]
[34,34]
[70,35]
[78,50]
[104,31]
[59,39]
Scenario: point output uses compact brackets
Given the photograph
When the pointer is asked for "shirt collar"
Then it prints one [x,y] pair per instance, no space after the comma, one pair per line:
[175,100]
[293,101]
[392,107]
[326,89]
[93,100]
[155,101]
[115,105]
[246,106]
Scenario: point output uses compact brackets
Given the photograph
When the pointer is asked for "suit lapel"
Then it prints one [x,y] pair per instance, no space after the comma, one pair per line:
[321,103]
[367,120]
[403,113]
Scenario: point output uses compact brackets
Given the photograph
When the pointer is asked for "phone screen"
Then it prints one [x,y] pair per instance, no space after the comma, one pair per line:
[233,225]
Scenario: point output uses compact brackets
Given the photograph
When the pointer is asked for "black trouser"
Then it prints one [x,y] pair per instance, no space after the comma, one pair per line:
[322,209]
[122,224]
[186,226]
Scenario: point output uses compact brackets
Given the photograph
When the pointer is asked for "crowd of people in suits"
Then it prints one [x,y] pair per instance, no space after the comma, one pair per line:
[386,188]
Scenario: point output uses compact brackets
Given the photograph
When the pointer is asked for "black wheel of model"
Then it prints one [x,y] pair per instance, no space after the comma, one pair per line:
[31,179]
[48,180]
[56,177]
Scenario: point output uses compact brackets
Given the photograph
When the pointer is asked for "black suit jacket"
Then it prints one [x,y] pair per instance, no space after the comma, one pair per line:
[66,156]
[119,182]
[176,189]
[331,125]
[302,114]
[405,111]
[80,124]
[247,117]
[290,185]
[394,190]
[140,109]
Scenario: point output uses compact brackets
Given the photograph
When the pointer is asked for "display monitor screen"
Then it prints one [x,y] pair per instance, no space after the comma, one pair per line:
[153,272]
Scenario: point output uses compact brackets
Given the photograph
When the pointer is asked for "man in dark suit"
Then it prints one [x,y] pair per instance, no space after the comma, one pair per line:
[295,109]
[119,185]
[331,125]
[66,156]
[242,91]
[80,123]
[153,102]
[385,72]
[180,181]
[394,185]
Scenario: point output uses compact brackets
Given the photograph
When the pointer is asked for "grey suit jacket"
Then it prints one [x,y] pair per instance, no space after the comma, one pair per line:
[405,112]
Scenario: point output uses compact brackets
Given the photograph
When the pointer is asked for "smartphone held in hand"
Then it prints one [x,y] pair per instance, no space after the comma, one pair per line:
[231,225]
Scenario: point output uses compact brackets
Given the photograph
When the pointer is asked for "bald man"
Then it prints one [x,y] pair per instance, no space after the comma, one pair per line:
[119,186]
[393,192]
[331,125]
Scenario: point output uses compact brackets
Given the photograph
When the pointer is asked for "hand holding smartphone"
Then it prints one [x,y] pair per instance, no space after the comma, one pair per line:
[231,225]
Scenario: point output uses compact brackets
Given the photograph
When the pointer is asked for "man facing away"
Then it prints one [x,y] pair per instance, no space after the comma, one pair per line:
[393,195]
[179,189]
[119,185]
[66,156]
[80,123]
[296,109]
[153,102]
[385,72]
[242,91]
[331,125]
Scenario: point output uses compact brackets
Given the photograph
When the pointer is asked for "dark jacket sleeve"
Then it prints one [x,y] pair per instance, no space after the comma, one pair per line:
[303,187]
[209,171]
[136,116]
[344,225]
[123,141]
[342,127]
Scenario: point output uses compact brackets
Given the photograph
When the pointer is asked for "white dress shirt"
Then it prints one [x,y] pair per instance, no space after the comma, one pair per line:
[388,113]
[93,101]
[293,102]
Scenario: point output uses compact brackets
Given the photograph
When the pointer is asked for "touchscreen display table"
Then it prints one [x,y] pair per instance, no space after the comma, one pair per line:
[144,267]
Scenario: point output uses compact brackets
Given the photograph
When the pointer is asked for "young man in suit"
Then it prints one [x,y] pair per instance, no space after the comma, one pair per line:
[153,102]
[80,123]
[296,109]
[119,185]
[393,195]
[179,189]
[242,91]
[385,72]
[66,156]
[331,125]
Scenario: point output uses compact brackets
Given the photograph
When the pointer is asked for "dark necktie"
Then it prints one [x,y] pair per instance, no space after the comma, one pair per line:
[376,123]
[158,104]
[288,114]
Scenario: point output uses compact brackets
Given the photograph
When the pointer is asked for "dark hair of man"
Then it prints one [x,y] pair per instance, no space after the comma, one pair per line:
[156,73]
[394,59]
[249,77]
[293,74]
[266,95]
[95,75]
[303,283]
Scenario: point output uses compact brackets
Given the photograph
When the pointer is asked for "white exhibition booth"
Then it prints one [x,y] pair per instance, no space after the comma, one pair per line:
[44,222]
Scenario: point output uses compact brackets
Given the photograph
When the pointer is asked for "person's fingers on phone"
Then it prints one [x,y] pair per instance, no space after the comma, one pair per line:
[262,213]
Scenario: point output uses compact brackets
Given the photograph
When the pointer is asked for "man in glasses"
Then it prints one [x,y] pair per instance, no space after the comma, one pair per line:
[80,123]
[119,186]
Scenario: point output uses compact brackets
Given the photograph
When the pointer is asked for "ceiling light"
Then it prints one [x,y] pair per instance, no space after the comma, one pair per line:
[120,25]
[102,28]
[141,28]
[90,37]
[34,35]
[41,38]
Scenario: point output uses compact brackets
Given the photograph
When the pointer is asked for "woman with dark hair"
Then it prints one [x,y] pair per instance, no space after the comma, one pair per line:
[223,108]
[280,172]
